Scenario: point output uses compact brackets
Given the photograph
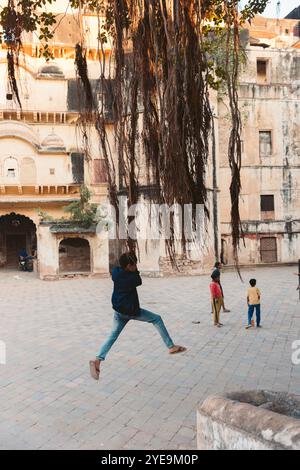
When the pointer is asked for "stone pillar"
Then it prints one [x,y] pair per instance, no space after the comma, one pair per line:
[149,257]
[100,253]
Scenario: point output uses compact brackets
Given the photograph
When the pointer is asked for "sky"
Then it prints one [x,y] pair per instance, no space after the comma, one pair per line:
[286,7]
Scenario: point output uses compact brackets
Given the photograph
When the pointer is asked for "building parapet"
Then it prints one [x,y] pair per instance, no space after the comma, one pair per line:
[39,194]
[270,91]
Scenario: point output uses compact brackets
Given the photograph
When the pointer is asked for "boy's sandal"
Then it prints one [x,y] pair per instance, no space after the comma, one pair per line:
[94,371]
[178,349]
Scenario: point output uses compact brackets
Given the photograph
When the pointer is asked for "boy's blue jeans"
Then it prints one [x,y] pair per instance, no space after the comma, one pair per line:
[120,321]
[251,311]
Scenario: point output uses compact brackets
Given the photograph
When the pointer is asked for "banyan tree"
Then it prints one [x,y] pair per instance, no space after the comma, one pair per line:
[165,58]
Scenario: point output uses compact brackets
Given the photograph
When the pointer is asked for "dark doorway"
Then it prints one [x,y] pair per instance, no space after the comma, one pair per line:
[74,256]
[17,232]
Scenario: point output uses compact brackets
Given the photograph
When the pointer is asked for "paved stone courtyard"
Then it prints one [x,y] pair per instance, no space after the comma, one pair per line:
[146,398]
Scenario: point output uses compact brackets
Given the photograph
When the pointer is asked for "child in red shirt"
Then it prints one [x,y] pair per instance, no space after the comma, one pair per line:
[216,298]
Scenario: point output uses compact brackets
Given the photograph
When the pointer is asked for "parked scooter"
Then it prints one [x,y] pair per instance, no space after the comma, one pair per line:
[26,264]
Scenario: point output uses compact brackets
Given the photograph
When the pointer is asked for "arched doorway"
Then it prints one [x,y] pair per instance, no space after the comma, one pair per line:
[16,233]
[74,256]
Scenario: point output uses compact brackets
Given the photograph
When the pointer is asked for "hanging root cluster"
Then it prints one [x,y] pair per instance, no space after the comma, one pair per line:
[86,98]
[234,145]
[12,30]
[162,74]
[162,69]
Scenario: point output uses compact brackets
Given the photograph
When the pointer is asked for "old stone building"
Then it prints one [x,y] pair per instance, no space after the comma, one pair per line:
[43,164]
[269,96]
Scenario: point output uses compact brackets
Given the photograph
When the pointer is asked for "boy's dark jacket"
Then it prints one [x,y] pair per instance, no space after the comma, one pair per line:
[125,297]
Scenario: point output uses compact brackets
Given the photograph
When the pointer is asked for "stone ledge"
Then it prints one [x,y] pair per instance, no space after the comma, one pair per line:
[241,422]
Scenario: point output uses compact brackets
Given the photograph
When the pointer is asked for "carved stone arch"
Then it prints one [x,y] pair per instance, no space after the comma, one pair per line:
[19,130]
[17,231]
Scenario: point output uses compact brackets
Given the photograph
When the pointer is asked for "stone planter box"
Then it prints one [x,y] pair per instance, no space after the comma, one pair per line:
[254,420]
